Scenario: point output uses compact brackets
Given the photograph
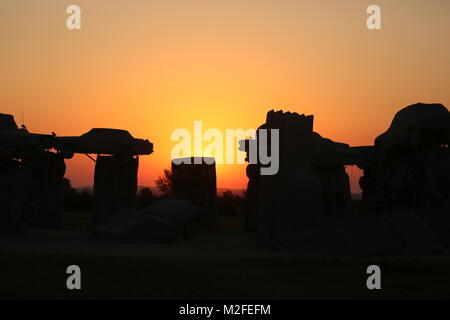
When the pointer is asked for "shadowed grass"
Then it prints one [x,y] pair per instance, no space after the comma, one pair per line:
[43,276]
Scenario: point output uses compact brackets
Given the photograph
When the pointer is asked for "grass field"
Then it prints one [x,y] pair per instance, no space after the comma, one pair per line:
[44,277]
[218,265]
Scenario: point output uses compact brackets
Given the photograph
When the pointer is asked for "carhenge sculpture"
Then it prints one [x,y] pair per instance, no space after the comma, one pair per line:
[30,179]
[410,169]
[311,187]
[405,187]
[32,175]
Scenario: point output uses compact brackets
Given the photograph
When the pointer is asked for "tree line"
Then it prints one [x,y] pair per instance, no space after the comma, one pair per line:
[228,203]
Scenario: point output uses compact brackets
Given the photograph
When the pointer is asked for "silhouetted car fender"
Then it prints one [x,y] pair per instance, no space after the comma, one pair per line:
[126,153]
[19,142]
[68,151]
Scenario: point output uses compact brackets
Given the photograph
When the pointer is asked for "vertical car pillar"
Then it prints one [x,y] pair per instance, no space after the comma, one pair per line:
[336,195]
[197,183]
[291,199]
[14,194]
[251,218]
[46,186]
[115,186]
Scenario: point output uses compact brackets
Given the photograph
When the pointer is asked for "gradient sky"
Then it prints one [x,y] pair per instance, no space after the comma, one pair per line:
[154,66]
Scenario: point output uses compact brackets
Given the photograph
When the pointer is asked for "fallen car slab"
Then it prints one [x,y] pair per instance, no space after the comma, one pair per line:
[364,236]
[164,221]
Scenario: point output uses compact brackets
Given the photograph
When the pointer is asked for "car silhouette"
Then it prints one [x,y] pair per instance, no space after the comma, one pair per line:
[18,142]
[415,125]
[104,141]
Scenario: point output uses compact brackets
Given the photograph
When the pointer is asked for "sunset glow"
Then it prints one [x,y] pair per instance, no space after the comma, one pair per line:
[152,67]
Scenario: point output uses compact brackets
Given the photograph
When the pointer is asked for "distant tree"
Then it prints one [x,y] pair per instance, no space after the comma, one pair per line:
[164,182]
[145,197]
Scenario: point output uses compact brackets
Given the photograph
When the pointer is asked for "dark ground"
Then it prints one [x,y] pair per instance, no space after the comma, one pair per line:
[44,277]
[218,265]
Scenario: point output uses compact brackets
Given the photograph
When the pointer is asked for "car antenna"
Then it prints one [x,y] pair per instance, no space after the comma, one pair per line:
[23,122]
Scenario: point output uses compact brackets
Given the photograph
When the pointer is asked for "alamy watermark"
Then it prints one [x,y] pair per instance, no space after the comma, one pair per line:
[73,281]
[223,149]
[73,21]
[374,280]
[373,22]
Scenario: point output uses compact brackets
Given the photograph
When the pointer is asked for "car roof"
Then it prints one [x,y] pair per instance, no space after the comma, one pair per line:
[108,131]
[408,117]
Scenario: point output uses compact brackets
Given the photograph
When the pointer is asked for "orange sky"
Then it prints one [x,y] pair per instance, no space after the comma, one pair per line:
[154,66]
